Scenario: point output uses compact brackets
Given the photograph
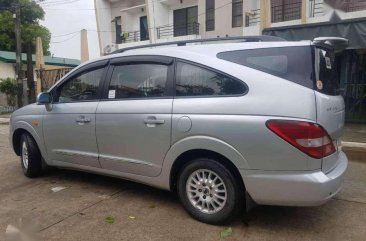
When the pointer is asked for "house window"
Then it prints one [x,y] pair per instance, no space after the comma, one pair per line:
[210,15]
[285,10]
[185,21]
[237,13]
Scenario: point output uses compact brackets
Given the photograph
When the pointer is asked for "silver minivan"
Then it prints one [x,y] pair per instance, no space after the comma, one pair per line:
[225,125]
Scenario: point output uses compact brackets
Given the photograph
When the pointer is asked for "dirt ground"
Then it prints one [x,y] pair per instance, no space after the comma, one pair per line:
[93,207]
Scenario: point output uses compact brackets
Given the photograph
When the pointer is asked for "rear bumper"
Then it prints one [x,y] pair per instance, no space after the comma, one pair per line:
[288,188]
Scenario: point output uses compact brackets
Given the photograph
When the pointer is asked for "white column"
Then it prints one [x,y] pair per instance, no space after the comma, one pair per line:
[84,49]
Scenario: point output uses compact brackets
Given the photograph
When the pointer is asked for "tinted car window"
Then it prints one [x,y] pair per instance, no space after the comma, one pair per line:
[327,77]
[83,87]
[277,63]
[138,81]
[291,63]
[197,81]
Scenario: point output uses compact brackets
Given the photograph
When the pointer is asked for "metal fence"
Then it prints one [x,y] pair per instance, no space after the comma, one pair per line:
[355,100]
[316,8]
[7,109]
[50,77]
[285,10]
[178,30]
[252,18]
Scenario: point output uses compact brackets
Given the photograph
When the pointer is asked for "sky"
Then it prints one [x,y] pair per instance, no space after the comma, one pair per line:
[67,18]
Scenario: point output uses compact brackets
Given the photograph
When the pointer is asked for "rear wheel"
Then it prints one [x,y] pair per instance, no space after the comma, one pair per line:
[209,192]
[31,159]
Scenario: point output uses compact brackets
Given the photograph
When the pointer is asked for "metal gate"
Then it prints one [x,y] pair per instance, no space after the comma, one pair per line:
[355,86]
[50,77]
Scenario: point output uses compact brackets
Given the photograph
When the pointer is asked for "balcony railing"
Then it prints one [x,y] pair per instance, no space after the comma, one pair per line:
[316,8]
[133,36]
[355,5]
[252,18]
[282,11]
[167,31]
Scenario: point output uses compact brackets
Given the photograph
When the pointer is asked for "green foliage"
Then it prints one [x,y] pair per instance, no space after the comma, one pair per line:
[7,35]
[31,31]
[31,13]
[227,232]
[109,220]
[9,87]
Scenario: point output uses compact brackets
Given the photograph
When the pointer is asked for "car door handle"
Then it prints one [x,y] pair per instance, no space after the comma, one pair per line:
[153,121]
[82,120]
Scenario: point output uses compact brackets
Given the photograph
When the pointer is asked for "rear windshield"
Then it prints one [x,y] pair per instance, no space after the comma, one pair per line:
[327,78]
[291,63]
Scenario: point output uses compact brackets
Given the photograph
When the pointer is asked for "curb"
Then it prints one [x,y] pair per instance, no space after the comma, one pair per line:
[355,151]
[4,121]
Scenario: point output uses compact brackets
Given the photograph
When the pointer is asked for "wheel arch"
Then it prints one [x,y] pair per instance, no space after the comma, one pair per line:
[189,156]
[192,147]
[16,139]
[24,127]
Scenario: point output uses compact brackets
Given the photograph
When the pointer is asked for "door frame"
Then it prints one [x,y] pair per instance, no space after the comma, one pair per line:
[81,70]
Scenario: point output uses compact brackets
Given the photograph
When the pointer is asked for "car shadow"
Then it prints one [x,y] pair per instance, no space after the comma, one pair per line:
[263,217]
[56,175]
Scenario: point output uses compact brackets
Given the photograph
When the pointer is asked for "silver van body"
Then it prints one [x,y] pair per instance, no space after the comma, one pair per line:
[143,139]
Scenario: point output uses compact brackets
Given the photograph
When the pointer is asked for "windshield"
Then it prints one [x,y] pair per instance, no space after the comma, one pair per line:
[327,79]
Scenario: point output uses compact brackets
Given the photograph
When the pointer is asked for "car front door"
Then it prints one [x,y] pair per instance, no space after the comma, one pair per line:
[69,123]
[134,118]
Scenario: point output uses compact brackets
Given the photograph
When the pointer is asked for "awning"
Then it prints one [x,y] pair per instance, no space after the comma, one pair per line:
[353,29]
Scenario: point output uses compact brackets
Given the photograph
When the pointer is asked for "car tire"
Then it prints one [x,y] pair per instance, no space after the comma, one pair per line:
[30,156]
[215,197]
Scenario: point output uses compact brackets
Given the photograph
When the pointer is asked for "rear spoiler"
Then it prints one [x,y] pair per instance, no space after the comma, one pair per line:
[338,44]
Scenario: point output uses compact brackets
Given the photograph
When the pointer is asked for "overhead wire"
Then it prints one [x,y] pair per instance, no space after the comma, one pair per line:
[65,40]
[110,31]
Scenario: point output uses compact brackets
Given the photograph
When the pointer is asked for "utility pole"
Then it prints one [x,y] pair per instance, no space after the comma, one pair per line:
[18,39]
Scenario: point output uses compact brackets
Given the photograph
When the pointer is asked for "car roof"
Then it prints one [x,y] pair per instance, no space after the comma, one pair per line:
[203,49]
[196,51]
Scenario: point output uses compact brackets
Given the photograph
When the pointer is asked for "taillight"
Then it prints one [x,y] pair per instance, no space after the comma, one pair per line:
[308,137]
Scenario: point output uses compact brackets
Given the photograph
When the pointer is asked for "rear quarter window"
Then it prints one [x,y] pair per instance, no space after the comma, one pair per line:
[193,80]
[290,63]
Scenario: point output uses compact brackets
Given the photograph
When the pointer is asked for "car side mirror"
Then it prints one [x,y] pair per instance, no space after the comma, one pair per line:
[44,98]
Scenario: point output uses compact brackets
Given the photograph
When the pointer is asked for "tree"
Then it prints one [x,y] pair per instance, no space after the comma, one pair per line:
[31,13]
[9,87]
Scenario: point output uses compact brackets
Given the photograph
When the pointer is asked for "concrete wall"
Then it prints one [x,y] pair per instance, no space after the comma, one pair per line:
[7,70]
[160,13]
[130,14]
[104,26]
[223,20]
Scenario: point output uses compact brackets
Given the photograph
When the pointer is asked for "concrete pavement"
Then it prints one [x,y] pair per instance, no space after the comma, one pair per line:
[138,212]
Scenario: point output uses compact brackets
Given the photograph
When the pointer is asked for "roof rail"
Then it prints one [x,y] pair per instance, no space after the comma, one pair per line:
[260,38]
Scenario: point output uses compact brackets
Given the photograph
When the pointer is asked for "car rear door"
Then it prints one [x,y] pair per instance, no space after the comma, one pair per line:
[134,117]
[329,103]
[69,123]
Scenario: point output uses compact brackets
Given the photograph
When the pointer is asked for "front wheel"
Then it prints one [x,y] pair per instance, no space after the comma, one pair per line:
[209,192]
[31,159]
